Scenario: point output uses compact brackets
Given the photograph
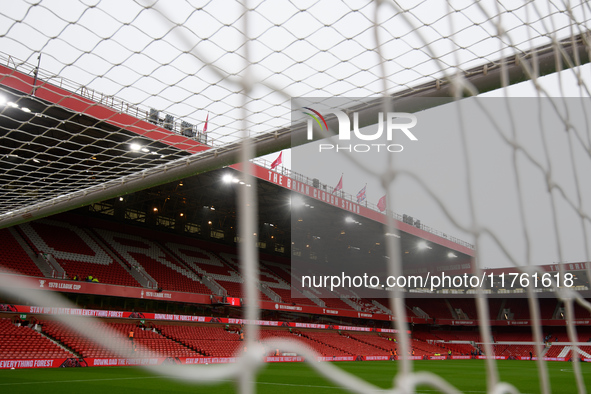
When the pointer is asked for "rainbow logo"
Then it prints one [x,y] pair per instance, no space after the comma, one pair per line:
[316,118]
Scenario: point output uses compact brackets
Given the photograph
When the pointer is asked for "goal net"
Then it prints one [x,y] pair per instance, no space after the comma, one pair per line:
[497,156]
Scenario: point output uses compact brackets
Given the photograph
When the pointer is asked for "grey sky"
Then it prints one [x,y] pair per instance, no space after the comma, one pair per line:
[188,58]
[437,159]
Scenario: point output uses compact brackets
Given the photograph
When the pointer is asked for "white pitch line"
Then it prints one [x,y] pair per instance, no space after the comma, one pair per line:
[157,377]
[79,380]
[221,381]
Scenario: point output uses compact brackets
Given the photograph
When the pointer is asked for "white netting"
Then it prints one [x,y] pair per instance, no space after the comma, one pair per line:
[237,66]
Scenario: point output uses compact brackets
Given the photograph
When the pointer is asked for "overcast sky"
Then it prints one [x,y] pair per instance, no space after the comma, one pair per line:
[437,159]
[187,57]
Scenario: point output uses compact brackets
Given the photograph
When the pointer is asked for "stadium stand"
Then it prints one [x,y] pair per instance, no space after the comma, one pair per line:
[141,252]
[146,343]
[366,305]
[518,307]
[383,343]
[548,307]
[19,342]
[513,350]
[580,312]
[76,252]
[14,257]
[93,247]
[208,341]
[328,344]
[436,309]
[466,306]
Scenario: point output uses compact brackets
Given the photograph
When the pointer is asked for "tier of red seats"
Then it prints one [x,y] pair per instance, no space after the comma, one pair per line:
[63,239]
[362,348]
[265,274]
[168,278]
[234,289]
[513,350]
[298,299]
[580,311]
[473,336]
[281,272]
[547,308]
[212,341]
[435,308]
[146,343]
[216,341]
[518,306]
[20,343]
[494,307]
[426,349]
[69,240]
[367,305]
[461,349]
[525,336]
[328,344]
[438,336]
[336,303]
[210,268]
[556,351]
[385,343]
[14,258]
[559,334]
[468,306]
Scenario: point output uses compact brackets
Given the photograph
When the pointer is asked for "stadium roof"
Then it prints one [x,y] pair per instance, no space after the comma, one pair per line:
[57,142]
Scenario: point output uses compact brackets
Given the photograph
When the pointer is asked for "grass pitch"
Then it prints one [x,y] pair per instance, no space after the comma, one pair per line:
[467,375]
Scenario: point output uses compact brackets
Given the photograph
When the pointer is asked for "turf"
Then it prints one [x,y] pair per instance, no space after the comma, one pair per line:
[466,375]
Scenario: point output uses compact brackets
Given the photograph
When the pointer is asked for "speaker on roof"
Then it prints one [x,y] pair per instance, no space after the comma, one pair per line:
[168,122]
[187,129]
[153,117]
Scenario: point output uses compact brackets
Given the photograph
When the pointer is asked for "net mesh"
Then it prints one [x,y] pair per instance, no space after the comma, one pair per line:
[223,77]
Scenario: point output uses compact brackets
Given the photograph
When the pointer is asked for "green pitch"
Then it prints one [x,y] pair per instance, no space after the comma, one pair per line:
[466,375]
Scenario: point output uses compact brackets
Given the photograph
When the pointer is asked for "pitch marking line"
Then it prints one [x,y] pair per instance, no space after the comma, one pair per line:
[224,381]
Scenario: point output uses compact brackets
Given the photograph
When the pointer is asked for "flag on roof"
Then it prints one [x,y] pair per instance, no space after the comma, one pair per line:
[339,185]
[382,204]
[361,195]
[277,161]
[206,120]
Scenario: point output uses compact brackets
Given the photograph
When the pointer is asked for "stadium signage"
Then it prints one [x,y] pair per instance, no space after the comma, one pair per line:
[110,362]
[345,131]
[517,322]
[462,322]
[288,307]
[34,363]
[525,358]
[337,358]
[353,328]
[152,294]
[159,316]
[75,312]
[210,360]
[60,285]
[310,191]
[311,325]
[377,358]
